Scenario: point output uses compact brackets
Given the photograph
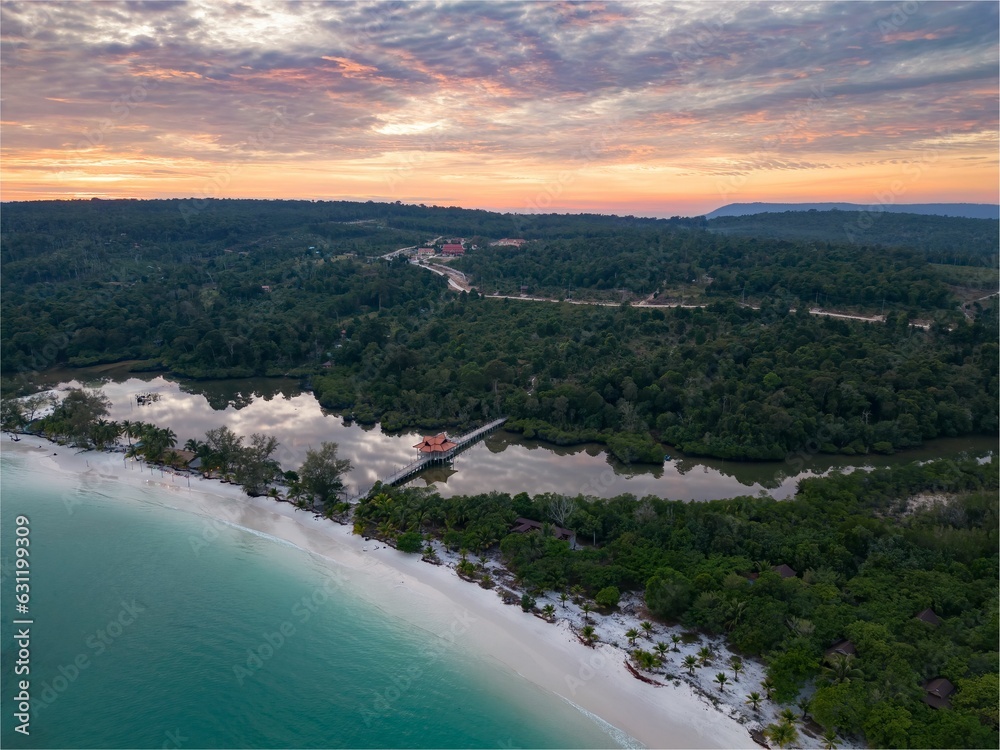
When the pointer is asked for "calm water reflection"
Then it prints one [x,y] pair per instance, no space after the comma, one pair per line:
[504,461]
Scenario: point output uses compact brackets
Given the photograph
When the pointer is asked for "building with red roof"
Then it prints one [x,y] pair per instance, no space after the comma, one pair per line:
[452,250]
[436,444]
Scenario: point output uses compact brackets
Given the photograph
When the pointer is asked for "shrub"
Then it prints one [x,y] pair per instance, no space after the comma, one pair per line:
[410,541]
[608,597]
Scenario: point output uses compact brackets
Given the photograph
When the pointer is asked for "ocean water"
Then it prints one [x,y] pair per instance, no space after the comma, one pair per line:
[138,642]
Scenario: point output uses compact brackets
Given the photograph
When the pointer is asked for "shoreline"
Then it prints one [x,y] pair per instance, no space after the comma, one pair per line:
[677,712]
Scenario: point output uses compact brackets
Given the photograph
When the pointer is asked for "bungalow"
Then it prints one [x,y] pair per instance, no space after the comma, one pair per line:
[929,616]
[524,525]
[844,648]
[183,456]
[938,692]
[425,251]
[452,249]
[782,570]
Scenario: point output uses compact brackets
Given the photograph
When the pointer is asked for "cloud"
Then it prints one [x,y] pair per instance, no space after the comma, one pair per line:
[525,83]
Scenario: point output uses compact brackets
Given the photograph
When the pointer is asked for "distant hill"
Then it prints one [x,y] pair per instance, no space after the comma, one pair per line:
[964,210]
[942,239]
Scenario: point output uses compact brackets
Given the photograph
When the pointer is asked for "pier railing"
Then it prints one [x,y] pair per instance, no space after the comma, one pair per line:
[415,467]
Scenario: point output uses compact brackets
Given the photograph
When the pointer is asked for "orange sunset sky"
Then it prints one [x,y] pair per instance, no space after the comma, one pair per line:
[643,108]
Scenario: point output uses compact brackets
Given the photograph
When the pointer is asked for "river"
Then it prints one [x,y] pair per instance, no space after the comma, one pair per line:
[504,461]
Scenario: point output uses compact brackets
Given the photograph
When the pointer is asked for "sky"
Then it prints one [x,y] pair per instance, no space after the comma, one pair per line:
[644,108]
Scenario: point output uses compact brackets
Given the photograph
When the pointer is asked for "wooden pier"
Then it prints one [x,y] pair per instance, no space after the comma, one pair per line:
[410,470]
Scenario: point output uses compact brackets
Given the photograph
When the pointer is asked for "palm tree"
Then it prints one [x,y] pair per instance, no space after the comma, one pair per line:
[646,660]
[675,639]
[549,611]
[661,649]
[156,440]
[563,596]
[782,735]
[103,432]
[647,628]
[294,490]
[800,626]
[736,664]
[586,611]
[754,700]
[169,437]
[841,668]
[830,740]
[589,634]
[721,679]
[127,430]
[803,703]
[135,430]
[631,634]
[768,687]
[705,655]
[192,445]
[577,592]
[788,716]
[151,446]
[736,615]
[690,662]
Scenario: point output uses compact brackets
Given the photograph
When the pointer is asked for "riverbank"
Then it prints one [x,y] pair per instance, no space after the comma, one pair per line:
[549,655]
[506,461]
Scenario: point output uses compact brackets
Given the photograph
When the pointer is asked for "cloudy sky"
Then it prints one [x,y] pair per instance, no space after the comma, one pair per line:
[648,108]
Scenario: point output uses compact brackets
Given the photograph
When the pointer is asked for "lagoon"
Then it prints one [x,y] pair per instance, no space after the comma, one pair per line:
[504,461]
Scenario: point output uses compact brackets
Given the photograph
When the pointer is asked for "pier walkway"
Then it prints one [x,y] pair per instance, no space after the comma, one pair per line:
[407,472]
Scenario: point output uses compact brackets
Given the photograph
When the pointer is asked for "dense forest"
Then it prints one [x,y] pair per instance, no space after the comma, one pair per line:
[941,239]
[240,288]
[695,266]
[219,289]
[866,558]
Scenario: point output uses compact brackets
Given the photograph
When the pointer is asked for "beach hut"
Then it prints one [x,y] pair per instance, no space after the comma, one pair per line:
[524,525]
[845,648]
[938,692]
[930,617]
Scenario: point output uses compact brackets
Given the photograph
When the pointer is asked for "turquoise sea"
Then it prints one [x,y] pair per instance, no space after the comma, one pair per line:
[138,642]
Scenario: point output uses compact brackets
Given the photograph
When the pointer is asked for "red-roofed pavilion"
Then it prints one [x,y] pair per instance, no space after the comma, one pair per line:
[437,444]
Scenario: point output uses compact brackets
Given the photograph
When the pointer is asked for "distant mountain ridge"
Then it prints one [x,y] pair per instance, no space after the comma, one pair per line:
[964,210]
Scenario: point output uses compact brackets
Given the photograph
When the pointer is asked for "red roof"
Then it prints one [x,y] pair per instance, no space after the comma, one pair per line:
[453,250]
[437,444]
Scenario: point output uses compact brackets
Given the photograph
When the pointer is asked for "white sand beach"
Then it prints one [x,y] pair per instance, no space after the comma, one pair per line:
[434,598]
